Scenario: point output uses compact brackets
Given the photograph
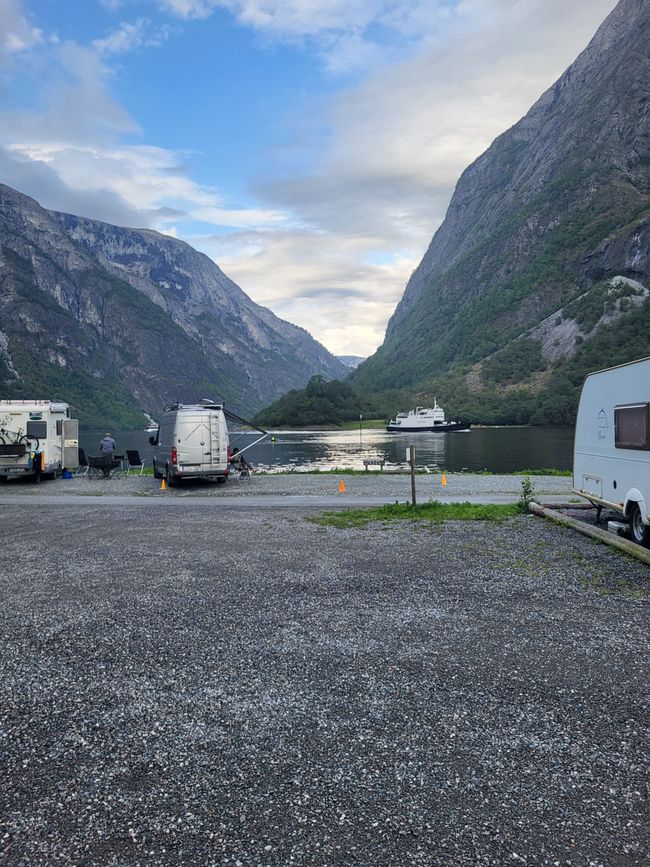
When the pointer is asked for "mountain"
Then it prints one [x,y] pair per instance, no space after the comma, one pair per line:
[541,268]
[119,322]
[351,360]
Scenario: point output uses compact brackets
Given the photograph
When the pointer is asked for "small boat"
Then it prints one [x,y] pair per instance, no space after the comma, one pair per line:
[152,427]
[425,420]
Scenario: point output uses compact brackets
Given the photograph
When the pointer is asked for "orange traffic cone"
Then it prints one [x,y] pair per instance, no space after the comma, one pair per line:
[342,487]
[443,480]
[163,485]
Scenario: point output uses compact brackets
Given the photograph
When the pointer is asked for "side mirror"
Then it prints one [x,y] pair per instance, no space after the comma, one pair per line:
[153,441]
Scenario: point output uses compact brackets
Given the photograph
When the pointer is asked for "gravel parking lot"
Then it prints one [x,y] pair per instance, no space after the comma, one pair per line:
[205,687]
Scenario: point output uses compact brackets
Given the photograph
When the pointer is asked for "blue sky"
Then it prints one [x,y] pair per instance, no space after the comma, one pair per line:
[310,147]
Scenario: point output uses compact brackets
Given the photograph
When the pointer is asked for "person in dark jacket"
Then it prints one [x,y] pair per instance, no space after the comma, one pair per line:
[107,445]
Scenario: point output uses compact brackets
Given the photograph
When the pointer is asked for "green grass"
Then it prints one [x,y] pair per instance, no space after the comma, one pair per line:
[433,512]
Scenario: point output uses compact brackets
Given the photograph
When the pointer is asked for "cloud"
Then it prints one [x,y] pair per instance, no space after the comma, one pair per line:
[129,36]
[320,281]
[16,33]
[398,143]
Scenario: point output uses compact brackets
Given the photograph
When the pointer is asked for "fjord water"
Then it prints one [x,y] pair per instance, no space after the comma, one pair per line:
[495,449]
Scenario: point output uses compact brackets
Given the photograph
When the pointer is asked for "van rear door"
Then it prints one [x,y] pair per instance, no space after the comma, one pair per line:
[192,439]
[199,440]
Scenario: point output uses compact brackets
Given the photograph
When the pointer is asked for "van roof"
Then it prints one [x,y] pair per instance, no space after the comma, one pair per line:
[194,406]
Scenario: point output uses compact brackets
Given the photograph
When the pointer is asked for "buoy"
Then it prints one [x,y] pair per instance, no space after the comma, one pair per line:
[443,480]
[342,487]
[163,485]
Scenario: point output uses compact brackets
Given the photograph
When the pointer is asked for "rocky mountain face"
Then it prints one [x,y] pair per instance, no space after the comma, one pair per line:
[122,321]
[542,264]
[351,361]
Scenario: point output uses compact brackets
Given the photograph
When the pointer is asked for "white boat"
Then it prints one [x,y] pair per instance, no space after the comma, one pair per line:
[425,420]
[152,427]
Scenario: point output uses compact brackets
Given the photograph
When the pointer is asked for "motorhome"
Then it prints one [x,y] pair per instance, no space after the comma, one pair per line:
[611,462]
[37,438]
[192,442]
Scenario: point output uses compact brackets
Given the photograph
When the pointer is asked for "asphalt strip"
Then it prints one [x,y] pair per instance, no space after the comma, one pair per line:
[271,502]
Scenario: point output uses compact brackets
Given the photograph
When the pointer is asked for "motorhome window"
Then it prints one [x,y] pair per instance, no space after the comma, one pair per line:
[632,426]
[37,429]
[59,427]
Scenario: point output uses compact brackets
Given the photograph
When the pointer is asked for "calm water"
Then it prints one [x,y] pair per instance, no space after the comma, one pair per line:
[495,449]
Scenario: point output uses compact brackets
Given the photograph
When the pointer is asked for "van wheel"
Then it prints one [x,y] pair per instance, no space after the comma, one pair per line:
[640,531]
[171,481]
[156,474]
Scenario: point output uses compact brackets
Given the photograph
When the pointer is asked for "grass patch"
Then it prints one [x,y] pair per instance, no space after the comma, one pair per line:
[433,512]
[620,586]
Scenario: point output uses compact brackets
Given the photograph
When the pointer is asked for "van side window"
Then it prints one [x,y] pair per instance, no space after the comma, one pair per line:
[632,426]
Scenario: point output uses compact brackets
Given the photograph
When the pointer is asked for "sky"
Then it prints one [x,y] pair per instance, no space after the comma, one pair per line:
[309,147]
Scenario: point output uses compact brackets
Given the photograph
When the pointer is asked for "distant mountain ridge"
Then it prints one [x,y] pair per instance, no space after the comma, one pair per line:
[351,361]
[545,247]
[121,321]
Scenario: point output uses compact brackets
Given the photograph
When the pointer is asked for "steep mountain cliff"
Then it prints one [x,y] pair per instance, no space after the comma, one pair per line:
[120,321]
[545,245]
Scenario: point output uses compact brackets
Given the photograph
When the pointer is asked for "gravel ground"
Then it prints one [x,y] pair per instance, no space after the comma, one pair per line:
[296,484]
[191,687]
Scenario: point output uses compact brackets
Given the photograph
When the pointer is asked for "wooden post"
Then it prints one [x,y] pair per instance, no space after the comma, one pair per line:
[410,456]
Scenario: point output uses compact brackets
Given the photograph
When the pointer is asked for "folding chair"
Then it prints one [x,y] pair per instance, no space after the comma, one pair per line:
[82,469]
[105,466]
[134,461]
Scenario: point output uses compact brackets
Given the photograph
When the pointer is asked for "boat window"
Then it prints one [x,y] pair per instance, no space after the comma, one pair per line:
[37,429]
[632,426]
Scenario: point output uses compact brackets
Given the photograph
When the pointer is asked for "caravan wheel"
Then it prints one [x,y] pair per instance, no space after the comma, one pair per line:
[640,531]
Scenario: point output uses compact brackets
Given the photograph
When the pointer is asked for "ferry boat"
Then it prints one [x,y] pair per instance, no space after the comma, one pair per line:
[425,420]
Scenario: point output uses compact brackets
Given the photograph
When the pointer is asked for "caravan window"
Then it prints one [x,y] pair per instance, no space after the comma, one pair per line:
[37,429]
[632,426]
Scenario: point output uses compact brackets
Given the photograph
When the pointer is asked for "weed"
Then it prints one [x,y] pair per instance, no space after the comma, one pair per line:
[527,493]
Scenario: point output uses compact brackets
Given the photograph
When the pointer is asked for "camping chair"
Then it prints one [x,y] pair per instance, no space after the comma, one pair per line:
[104,466]
[133,461]
[82,469]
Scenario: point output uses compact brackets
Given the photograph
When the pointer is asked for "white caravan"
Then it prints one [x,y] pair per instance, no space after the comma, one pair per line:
[37,438]
[192,442]
[611,462]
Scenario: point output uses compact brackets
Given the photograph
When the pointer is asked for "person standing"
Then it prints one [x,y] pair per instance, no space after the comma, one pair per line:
[107,445]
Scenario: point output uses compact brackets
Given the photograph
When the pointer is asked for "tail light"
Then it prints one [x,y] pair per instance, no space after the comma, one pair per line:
[174,455]
[228,455]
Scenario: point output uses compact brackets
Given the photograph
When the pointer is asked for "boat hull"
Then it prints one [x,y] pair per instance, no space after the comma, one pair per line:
[446,427]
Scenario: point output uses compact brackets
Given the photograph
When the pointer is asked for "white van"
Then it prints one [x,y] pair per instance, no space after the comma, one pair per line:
[192,442]
[611,462]
[37,438]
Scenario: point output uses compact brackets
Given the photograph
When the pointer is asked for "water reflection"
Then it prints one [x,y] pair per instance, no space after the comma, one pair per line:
[493,449]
